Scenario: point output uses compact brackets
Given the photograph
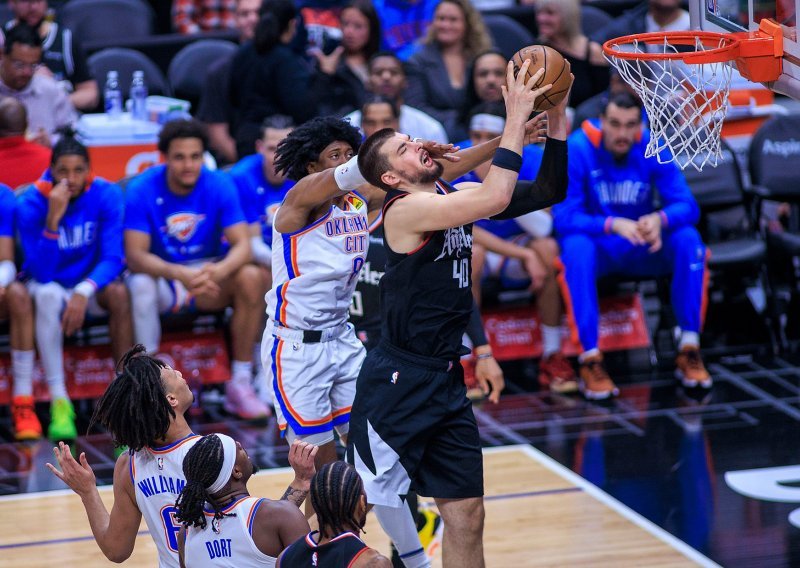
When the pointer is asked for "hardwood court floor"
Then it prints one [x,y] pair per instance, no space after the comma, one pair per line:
[537,514]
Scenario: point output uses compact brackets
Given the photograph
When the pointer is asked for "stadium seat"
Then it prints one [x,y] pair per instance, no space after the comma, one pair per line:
[593,19]
[107,20]
[728,226]
[507,35]
[125,62]
[775,170]
[187,71]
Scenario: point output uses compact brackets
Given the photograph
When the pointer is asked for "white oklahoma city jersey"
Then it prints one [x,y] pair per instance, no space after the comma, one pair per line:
[227,542]
[315,270]
[158,479]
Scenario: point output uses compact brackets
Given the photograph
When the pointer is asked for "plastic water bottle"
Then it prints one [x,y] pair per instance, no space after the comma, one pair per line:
[112,96]
[138,96]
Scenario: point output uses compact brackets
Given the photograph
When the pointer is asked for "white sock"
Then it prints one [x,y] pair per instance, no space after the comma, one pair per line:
[398,523]
[242,372]
[551,340]
[49,299]
[22,369]
[144,308]
[586,354]
[691,338]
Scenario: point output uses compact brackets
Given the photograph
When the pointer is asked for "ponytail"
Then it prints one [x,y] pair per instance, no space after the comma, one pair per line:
[275,18]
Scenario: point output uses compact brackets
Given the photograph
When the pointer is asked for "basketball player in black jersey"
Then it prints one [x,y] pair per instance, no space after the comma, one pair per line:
[337,494]
[411,420]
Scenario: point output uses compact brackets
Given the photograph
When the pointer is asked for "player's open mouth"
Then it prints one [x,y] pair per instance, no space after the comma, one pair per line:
[426,159]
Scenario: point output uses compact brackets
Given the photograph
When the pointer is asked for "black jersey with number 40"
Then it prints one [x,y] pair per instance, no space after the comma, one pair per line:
[426,294]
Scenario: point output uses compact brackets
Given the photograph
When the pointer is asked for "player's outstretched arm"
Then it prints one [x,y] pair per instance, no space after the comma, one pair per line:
[424,212]
[301,458]
[115,533]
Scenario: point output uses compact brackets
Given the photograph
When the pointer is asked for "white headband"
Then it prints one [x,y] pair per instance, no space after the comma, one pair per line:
[228,459]
[487,123]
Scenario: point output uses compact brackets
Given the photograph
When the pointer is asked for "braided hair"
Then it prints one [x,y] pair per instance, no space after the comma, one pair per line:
[68,145]
[335,491]
[305,143]
[134,408]
[201,466]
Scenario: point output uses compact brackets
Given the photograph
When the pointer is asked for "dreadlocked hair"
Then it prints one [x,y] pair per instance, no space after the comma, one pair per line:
[305,143]
[134,408]
[335,491]
[68,145]
[201,466]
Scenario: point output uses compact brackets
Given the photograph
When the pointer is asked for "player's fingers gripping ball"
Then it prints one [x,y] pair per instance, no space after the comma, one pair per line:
[556,72]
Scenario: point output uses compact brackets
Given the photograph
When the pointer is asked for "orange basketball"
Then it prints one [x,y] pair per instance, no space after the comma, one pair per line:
[556,71]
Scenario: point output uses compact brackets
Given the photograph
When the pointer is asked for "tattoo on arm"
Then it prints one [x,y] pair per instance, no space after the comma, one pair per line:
[296,496]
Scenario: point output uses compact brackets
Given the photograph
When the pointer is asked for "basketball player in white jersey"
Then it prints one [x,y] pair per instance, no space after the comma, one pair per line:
[222,525]
[143,408]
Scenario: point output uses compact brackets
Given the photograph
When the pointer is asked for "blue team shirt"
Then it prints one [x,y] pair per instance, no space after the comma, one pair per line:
[8,204]
[601,187]
[259,198]
[88,244]
[531,160]
[404,23]
[186,228]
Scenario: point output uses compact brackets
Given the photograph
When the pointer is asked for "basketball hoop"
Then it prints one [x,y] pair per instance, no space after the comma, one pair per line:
[684,79]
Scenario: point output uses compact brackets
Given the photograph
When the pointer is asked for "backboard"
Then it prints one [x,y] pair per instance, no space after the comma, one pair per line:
[745,15]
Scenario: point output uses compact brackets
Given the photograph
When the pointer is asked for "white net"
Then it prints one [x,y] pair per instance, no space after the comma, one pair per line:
[685,103]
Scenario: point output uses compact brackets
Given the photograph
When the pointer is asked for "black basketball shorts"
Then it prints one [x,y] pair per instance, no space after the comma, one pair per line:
[412,428]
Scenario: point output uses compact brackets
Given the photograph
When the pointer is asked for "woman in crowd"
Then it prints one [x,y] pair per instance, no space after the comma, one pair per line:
[486,74]
[559,23]
[343,73]
[437,73]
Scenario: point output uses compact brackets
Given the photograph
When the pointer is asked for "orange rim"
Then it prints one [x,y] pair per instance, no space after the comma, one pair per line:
[724,47]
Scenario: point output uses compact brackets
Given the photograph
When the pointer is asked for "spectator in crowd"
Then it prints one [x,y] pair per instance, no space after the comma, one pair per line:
[70,226]
[64,59]
[387,78]
[269,78]
[484,79]
[609,224]
[21,161]
[403,23]
[345,69]
[437,74]
[261,188]
[559,24]
[175,219]
[520,253]
[17,309]
[48,106]
[253,531]
[215,108]
[377,113]
[650,16]
[339,500]
[197,16]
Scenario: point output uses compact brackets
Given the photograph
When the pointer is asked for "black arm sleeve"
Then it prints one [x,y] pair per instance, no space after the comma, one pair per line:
[549,188]
[475,330]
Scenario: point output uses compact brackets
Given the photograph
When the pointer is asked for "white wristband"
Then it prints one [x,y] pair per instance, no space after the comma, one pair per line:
[85,289]
[348,176]
[8,271]
[262,253]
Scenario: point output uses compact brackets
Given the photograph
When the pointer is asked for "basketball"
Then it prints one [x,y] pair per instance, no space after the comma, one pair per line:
[556,71]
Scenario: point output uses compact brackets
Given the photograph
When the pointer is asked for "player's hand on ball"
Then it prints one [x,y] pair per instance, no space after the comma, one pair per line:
[301,458]
[79,476]
[536,129]
[519,94]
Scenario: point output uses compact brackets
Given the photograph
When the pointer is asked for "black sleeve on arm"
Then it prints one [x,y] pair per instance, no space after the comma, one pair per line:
[549,188]
[475,330]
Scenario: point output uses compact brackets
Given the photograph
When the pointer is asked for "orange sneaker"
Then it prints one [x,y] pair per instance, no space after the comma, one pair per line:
[595,382]
[26,423]
[557,374]
[689,369]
